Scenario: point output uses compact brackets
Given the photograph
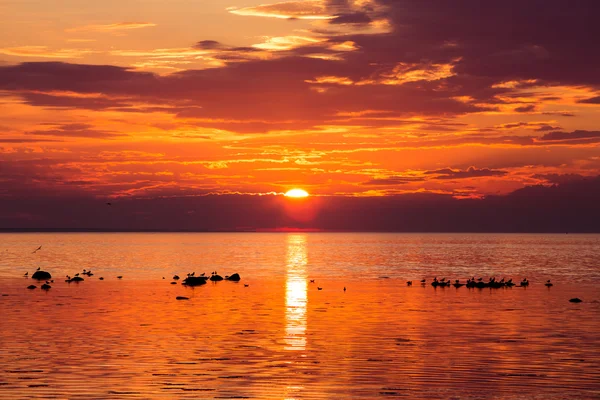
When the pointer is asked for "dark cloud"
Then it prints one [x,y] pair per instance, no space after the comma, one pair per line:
[575,135]
[76,130]
[471,172]
[208,45]
[568,207]
[525,109]
[359,18]
[393,181]
[545,128]
[591,100]
[559,178]
[24,140]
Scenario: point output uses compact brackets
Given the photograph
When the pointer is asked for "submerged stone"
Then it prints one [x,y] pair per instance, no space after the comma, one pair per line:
[216,278]
[31,287]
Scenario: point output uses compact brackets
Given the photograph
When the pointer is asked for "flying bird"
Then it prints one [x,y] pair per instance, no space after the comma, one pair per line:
[36,250]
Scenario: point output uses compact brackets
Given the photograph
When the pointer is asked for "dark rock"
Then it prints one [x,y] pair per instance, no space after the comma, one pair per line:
[216,278]
[176,277]
[31,287]
[195,280]
[182,298]
[173,283]
[41,275]
[76,279]
[576,300]
[45,286]
[101,278]
[234,278]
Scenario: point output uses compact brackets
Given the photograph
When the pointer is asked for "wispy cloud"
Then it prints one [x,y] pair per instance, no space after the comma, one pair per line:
[44,52]
[311,9]
[115,27]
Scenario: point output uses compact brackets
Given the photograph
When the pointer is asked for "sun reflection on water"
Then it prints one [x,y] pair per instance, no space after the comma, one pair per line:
[295,293]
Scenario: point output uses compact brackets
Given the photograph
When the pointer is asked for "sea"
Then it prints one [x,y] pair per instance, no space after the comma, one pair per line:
[314,316]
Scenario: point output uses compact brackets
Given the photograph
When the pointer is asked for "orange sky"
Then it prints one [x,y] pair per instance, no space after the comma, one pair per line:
[357,98]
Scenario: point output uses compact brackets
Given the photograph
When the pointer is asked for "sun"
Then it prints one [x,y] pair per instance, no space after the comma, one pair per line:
[296,193]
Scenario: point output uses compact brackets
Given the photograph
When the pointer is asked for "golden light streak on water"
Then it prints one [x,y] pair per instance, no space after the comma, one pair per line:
[296,298]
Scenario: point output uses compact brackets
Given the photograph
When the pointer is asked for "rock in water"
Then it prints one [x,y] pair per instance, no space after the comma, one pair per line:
[576,300]
[182,298]
[41,275]
[31,287]
[195,280]
[235,277]
[216,278]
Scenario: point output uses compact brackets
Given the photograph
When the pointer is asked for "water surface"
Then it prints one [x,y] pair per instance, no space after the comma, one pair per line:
[283,338]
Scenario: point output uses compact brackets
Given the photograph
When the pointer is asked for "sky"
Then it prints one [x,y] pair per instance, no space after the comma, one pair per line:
[146,100]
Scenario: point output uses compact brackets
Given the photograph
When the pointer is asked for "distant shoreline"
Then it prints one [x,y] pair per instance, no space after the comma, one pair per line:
[285,230]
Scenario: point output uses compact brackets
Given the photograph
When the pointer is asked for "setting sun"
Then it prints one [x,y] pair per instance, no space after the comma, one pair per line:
[296,193]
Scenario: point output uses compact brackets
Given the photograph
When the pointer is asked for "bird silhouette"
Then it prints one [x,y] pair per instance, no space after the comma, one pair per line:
[36,250]
[320,288]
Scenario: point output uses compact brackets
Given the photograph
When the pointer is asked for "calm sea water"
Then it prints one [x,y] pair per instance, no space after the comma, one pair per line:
[280,336]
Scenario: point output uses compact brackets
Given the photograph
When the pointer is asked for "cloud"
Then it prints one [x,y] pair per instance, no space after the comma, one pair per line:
[76,131]
[44,52]
[393,180]
[575,135]
[471,172]
[307,9]
[591,100]
[568,207]
[359,18]
[525,109]
[116,27]
[559,178]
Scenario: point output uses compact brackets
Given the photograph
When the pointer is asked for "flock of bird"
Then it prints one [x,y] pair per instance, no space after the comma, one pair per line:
[478,283]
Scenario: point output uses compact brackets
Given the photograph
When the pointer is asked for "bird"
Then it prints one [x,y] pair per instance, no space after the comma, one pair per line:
[246,285]
[120,277]
[312,281]
[39,268]
[36,250]
[319,288]
[101,278]
[344,288]
[26,274]
[408,283]
[548,283]
[423,281]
